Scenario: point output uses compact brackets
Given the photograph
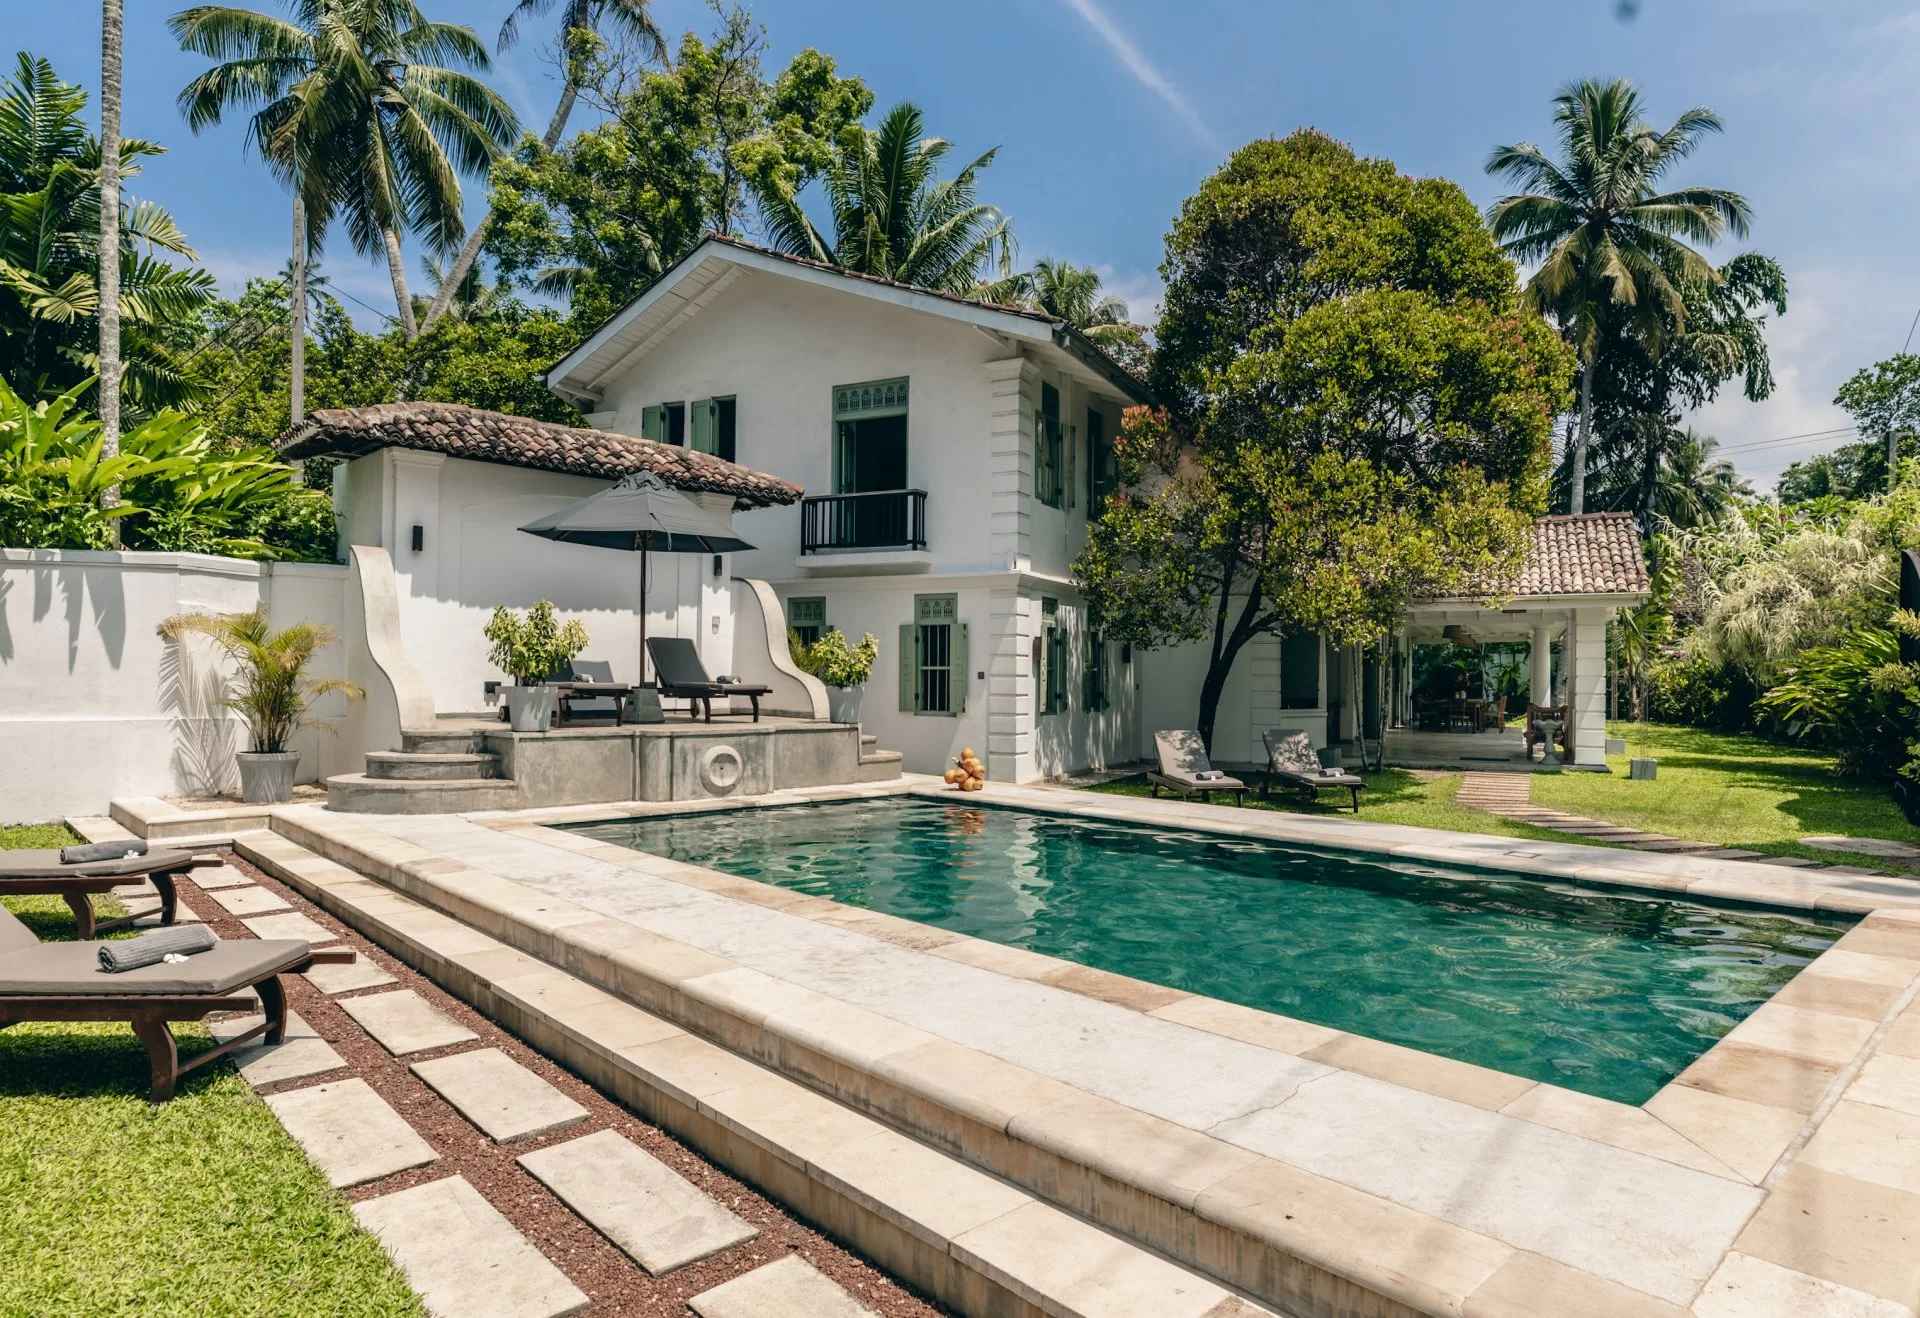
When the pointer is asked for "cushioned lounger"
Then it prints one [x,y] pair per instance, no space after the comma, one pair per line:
[64,982]
[1183,764]
[683,677]
[41,873]
[1291,760]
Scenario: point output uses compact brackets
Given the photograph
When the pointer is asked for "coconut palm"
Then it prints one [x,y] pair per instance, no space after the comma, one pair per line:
[893,217]
[579,19]
[354,114]
[1654,469]
[1606,242]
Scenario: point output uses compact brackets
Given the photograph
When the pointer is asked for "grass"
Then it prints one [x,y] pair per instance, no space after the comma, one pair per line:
[203,1206]
[1733,789]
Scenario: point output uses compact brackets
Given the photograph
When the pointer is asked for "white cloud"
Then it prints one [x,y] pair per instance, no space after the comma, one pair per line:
[1145,73]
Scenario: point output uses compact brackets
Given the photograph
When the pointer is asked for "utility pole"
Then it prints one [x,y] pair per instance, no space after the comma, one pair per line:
[111,19]
[297,342]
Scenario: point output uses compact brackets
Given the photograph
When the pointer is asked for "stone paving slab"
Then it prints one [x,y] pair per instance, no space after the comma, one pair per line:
[404,1022]
[300,1054]
[789,1288]
[498,1094]
[224,876]
[250,900]
[1864,846]
[638,1202]
[349,1132]
[290,924]
[360,973]
[463,1258]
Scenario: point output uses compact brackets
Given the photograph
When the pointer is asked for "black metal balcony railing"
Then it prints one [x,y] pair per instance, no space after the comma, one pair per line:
[882,519]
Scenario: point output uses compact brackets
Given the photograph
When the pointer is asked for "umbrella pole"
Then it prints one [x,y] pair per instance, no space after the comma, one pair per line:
[643,611]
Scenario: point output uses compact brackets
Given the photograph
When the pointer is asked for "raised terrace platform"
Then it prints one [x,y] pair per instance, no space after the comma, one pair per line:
[1322,1173]
[474,763]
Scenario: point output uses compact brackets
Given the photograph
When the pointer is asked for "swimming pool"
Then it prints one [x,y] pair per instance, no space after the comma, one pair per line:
[1602,991]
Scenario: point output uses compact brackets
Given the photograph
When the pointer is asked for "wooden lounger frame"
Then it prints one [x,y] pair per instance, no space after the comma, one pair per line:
[77,890]
[149,1014]
[1189,790]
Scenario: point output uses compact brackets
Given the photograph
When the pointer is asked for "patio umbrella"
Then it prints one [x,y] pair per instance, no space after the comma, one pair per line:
[641,512]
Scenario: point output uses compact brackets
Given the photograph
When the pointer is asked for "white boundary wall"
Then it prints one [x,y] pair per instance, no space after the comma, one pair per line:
[94,705]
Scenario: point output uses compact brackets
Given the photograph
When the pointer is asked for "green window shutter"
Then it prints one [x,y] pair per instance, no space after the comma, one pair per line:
[653,423]
[1090,676]
[1069,477]
[810,611]
[962,670]
[704,422]
[909,667]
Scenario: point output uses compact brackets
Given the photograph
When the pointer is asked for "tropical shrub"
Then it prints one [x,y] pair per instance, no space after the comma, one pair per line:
[530,648]
[1860,699]
[1694,688]
[269,687]
[835,662]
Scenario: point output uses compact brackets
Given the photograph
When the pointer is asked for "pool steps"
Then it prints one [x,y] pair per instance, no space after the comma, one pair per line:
[1310,1246]
[973,1241]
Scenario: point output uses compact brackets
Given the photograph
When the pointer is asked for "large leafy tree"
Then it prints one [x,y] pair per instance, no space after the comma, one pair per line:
[1884,402]
[1361,413]
[891,214]
[582,23]
[354,107]
[1611,247]
[50,210]
[601,216]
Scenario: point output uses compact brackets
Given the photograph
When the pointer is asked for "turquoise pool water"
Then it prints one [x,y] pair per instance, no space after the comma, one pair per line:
[1600,991]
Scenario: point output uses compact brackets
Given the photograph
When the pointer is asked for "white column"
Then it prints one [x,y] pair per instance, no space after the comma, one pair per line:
[1540,653]
[1587,686]
[1011,707]
[1015,384]
[1262,660]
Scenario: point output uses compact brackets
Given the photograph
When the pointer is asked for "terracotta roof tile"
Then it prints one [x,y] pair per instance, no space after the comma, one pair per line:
[1588,554]
[517,441]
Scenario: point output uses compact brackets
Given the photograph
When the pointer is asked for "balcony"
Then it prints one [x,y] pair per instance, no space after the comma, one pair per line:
[876,531]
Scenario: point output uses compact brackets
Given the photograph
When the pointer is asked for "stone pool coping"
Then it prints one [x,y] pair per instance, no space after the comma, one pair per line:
[1809,1100]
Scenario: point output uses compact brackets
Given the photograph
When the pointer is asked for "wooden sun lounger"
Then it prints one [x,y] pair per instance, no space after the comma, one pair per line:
[681,676]
[1291,760]
[64,982]
[41,873]
[1182,758]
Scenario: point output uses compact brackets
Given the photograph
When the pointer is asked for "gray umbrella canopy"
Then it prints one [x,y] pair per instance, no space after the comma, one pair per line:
[642,513]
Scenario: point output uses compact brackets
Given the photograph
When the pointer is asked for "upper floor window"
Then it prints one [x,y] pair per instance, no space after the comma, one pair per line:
[870,436]
[807,618]
[1100,474]
[712,423]
[664,423]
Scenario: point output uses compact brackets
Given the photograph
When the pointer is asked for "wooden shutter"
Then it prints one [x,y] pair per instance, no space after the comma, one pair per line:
[704,425]
[909,667]
[962,672]
[1068,479]
[653,423]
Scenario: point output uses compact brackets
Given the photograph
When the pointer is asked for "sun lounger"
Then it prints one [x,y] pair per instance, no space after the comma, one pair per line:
[41,873]
[683,677]
[1184,768]
[1290,760]
[64,982]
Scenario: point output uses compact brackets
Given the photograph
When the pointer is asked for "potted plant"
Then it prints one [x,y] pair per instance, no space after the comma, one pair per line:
[269,689]
[844,668]
[530,649]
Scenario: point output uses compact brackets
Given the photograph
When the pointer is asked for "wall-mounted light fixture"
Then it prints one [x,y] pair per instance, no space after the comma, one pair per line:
[419,537]
[716,565]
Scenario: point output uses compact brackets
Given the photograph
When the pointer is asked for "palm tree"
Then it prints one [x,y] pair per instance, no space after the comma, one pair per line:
[893,217]
[112,28]
[1653,469]
[581,18]
[1605,240]
[352,112]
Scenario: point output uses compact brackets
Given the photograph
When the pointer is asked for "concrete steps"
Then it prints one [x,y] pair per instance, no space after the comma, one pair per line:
[431,766]
[359,793]
[876,765]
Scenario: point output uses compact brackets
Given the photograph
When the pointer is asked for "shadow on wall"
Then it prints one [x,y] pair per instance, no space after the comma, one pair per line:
[192,685]
[109,608]
[6,632]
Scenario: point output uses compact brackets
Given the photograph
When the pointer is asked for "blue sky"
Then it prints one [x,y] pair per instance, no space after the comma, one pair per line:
[1109,112]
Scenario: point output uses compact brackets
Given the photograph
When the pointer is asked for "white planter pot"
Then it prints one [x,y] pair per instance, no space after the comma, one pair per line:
[530,708]
[266,777]
[843,703]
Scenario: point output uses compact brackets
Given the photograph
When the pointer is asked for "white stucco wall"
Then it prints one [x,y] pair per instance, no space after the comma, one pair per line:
[94,705]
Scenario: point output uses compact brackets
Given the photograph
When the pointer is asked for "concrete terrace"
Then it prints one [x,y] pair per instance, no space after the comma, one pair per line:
[1290,1161]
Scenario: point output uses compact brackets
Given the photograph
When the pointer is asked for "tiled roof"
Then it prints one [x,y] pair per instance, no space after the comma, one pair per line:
[517,441]
[1588,554]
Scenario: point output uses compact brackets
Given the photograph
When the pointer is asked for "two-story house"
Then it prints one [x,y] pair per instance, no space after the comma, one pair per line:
[951,452]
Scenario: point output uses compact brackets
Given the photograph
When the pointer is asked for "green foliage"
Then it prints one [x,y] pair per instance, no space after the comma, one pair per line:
[837,663]
[1661,472]
[50,253]
[1073,293]
[532,647]
[1693,688]
[178,490]
[1882,399]
[269,687]
[1884,396]
[1860,699]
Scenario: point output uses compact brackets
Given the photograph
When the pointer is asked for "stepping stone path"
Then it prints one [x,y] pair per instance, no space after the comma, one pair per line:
[638,1202]
[360,974]
[786,1289]
[301,1054]
[226,876]
[404,1022]
[290,925]
[1509,795]
[349,1132]
[250,900]
[464,1258]
[496,1093]
[1864,846]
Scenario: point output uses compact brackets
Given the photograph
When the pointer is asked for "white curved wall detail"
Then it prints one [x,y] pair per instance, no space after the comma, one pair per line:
[760,653]
[397,695]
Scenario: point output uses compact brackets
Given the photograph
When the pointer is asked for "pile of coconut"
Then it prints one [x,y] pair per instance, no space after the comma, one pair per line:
[967,773]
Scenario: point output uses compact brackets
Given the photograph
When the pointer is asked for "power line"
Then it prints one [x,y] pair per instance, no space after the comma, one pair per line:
[1838,432]
[1910,329]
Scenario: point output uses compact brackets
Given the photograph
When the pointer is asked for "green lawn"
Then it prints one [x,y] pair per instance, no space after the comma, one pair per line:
[1740,791]
[203,1206]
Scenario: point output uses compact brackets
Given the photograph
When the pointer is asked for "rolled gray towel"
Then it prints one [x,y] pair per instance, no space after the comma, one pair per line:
[92,851]
[151,949]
